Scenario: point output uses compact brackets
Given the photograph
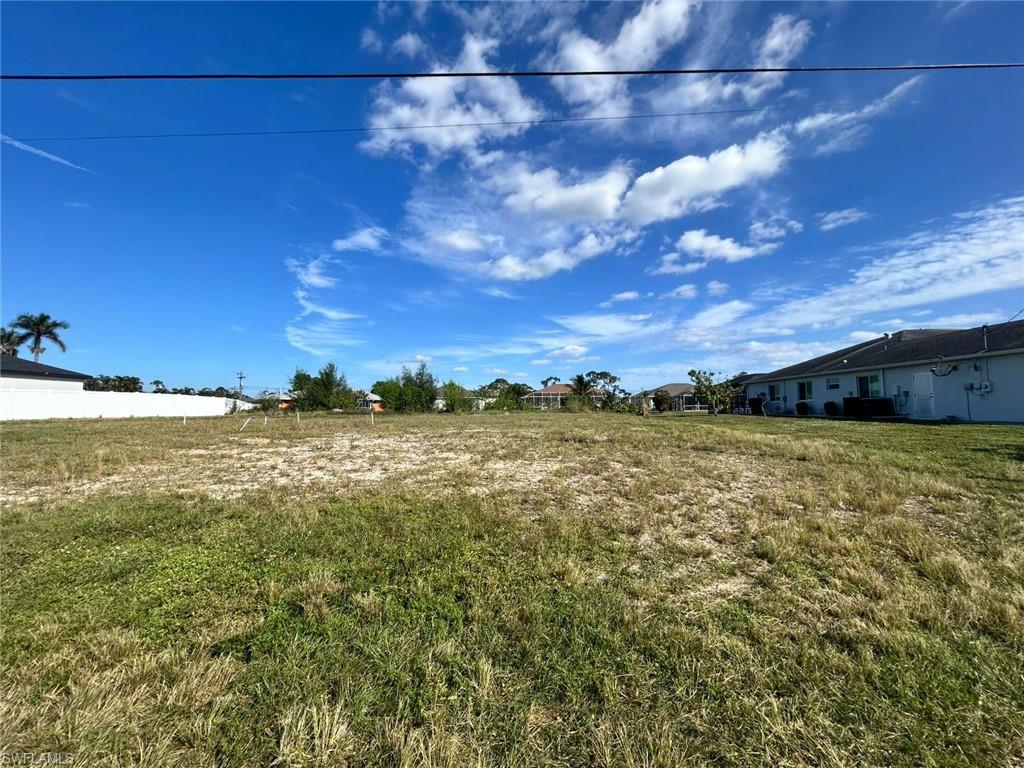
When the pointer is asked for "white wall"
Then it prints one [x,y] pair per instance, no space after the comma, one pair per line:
[1003,402]
[17,382]
[21,403]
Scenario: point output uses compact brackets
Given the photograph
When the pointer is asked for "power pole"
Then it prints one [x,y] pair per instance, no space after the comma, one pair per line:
[241,381]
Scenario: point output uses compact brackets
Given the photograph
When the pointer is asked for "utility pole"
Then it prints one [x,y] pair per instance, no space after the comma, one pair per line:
[241,381]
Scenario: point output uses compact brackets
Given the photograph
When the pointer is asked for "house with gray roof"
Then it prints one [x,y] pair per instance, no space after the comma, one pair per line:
[682,397]
[975,374]
[18,373]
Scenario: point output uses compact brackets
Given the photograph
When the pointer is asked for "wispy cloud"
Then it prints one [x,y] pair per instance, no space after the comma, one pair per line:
[619,297]
[835,219]
[973,252]
[366,239]
[843,131]
[40,153]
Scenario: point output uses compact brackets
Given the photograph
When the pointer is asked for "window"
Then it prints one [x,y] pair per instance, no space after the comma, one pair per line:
[869,386]
[805,390]
[774,392]
[832,383]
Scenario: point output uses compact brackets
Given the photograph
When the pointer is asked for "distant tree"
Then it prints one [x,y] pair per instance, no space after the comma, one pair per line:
[37,329]
[158,387]
[580,385]
[103,383]
[10,340]
[456,398]
[609,384]
[183,391]
[390,392]
[549,381]
[419,390]
[717,395]
[509,398]
[327,390]
[662,400]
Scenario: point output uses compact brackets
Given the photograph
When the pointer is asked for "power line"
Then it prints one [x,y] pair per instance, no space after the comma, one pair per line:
[513,74]
[372,129]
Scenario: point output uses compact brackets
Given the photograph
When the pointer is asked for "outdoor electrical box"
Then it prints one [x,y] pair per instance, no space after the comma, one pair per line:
[985,386]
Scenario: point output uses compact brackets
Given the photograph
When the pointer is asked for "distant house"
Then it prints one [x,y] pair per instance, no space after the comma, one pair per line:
[556,396]
[285,399]
[682,398]
[368,401]
[967,375]
[16,373]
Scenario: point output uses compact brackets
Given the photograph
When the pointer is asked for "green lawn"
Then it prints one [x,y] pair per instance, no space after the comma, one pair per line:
[513,590]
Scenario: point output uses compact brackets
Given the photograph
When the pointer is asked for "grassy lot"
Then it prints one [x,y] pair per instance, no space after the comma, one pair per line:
[513,589]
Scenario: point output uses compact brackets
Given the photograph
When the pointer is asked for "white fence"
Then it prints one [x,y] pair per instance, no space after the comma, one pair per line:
[18,404]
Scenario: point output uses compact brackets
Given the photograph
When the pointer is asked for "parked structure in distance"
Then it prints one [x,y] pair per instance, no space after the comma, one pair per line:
[927,374]
[682,398]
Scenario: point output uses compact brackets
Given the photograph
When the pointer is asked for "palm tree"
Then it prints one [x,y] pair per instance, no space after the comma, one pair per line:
[39,328]
[10,340]
[580,384]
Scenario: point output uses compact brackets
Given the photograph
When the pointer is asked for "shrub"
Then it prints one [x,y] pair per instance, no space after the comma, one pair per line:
[802,408]
[832,408]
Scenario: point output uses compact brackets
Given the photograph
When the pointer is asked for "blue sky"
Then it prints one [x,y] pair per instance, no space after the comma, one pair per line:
[835,206]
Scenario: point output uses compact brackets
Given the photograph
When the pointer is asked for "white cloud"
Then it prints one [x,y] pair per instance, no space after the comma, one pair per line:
[450,101]
[621,296]
[835,219]
[541,361]
[310,307]
[513,267]
[498,293]
[311,274]
[594,199]
[370,41]
[366,239]
[641,41]
[843,131]
[685,291]
[698,244]
[974,252]
[669,265]
[40,153]
[774,228]
[460,369]
[716,288]
[410,44]
[718,315]
[964,320]
[571,351]
[461,240]
[693,183]
[784,41]
[612,326]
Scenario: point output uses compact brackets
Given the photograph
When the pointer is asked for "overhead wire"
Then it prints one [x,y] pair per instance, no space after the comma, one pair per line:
[507,73]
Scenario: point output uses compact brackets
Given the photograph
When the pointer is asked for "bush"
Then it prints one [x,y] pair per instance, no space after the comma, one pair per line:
[802,408]
[832,408]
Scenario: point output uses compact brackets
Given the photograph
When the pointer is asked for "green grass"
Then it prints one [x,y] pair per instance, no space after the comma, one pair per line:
[547,589]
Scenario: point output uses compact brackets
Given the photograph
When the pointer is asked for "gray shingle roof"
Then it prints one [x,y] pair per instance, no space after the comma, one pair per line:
[674,390]
[909,346]
[17,367]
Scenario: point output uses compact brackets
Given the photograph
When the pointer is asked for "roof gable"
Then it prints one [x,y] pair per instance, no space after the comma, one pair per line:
[908,346]
[19,368]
